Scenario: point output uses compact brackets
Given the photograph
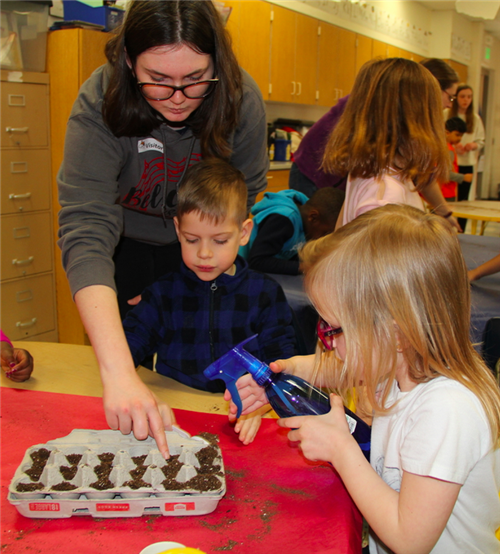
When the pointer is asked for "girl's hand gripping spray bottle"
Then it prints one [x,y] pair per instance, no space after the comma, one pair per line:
[288,395]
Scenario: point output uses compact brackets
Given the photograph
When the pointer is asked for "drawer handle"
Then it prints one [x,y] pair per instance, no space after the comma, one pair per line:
[17,129]
[26,323]
[22,167]
[23,262]
[20,196]
[17,100]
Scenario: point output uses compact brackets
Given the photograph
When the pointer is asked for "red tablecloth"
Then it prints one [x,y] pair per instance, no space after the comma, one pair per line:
[276,501]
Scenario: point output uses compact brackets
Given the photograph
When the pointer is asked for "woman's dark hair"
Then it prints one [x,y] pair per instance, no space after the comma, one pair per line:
[443,72]
[196,24]
[469,114]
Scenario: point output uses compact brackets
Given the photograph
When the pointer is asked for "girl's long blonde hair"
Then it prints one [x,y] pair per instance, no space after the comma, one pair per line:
[393,121]
[395,279]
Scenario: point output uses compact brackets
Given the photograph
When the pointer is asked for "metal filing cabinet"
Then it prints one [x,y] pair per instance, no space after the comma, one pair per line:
[28,309]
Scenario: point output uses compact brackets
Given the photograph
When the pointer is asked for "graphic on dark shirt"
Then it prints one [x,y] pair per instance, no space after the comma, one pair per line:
[147,196]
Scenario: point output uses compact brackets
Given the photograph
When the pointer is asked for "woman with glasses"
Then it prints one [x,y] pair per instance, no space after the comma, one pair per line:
[171,94]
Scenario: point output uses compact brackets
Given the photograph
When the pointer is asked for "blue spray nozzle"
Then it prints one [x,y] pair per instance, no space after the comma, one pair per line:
[233,365]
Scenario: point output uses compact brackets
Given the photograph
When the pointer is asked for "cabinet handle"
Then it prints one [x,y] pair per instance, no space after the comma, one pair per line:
[17,129]
[23,262]
[26,323]
[22,167]
[300,88]
[20,196]
[294,87]
[17,100]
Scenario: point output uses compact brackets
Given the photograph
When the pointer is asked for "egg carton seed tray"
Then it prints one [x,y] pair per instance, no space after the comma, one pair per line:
[107,474]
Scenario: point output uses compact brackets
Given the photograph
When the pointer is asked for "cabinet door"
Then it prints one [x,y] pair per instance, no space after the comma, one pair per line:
[364,46]
[306,55]
[346,68]
[379,49]
[336,63]
[255,42]
[233,24]
[284,86]
[327,65]
[25,116]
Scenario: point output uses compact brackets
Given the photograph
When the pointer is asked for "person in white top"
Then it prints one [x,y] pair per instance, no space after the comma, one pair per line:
[391,287]
[390,139]
[472,142]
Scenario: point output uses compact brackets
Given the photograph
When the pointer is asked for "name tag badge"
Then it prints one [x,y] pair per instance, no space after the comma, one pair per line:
[144,145]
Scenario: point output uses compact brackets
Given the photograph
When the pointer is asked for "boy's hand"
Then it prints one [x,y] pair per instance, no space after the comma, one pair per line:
[468,177]
[247,426]
[252,397]
[134,301]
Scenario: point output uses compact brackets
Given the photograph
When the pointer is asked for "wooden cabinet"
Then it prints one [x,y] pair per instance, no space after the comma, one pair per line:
[28,304]
[72,55]
[461,69]
[364,46]
[277,179]
[336,63]
[250,28]
[294,46]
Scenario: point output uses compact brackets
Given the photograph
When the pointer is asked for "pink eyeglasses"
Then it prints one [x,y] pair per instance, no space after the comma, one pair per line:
[326,333]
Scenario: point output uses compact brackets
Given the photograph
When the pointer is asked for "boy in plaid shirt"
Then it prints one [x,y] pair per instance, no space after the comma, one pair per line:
[192,317]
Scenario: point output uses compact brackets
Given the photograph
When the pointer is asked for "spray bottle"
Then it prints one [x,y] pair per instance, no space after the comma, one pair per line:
[288,395]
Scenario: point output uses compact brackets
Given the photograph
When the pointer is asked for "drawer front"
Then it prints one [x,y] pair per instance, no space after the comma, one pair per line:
[25,180]
[28,307]
[24,115]
[26,245]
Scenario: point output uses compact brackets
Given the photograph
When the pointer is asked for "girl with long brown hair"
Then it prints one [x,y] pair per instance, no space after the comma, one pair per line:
[390,139]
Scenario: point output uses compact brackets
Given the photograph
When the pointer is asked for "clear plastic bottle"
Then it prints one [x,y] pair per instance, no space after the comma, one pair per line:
[288,395]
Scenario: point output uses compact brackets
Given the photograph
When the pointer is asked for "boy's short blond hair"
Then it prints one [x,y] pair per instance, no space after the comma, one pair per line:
[215,189]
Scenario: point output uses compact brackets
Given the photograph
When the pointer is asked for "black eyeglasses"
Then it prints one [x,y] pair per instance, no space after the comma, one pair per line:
[194,91]
[326,333]
[451,98]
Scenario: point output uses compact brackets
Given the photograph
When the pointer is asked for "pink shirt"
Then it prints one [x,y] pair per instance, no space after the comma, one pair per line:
[363,195]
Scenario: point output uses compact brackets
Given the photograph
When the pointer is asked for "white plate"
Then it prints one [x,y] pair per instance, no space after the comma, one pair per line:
[158,547]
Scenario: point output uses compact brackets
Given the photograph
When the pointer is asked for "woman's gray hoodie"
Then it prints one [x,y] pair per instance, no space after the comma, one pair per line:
[111,187]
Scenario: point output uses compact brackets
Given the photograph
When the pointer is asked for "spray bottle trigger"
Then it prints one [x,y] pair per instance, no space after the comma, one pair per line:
[235,397]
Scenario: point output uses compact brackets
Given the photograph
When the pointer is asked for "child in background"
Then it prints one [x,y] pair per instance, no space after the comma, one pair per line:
[283,221]
[390,139]
[192,317]
[17,363]
[454,131]
[394,295]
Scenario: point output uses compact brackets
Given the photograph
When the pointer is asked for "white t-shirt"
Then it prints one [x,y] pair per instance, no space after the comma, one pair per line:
[363,195]
[439,429]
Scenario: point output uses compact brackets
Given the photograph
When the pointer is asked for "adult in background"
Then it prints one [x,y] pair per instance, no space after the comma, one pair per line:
[171,94]
[472,142]
[307,173]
